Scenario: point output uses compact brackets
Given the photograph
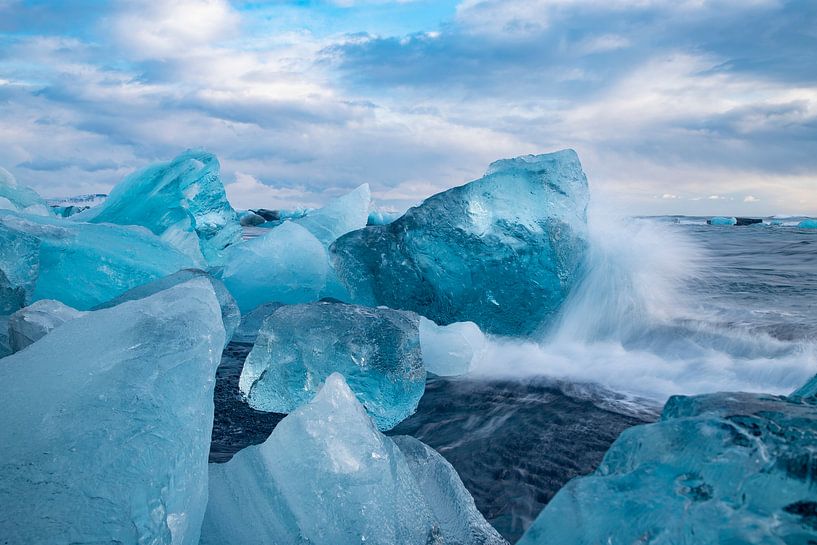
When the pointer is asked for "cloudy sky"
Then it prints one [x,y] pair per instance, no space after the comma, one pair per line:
[674,106]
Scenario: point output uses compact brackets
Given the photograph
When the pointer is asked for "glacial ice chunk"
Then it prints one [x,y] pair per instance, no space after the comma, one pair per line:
[340,216]
[29,324]
[453,349]
[286,265]
[452,506]
[230,315]
[299,346]
[19,198]
[105,424]
[248,218]
[79,264]
[252,321]
[502,251]
[717,468]
[182,201]
[382,217]
[721,220]
[327,476]
[808,224]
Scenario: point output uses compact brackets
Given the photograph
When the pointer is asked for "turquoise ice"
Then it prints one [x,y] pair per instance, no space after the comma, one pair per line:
[79,264]
[721,220]
[299,346]
[182,201]
[808,224]
[718,468]
[105,424]
[453,349]
[340,216]
[29,324]
[327,476]
[19,198]
[285,265]
[502,251]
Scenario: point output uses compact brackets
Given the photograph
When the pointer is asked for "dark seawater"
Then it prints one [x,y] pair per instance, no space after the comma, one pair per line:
[669,305]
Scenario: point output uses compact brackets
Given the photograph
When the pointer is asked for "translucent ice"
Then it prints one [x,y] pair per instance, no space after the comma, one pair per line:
[299,346]
[382,217]
[452,506]
[808,224]
[502,251]
[18,198]
[105,424]
[249,218]
[252,321]
[33,322]
[718,468]
[720,220]
[79,264]
[326,476]
[286,265]
[230,315]
[182,201]
[453,349]
[340,216]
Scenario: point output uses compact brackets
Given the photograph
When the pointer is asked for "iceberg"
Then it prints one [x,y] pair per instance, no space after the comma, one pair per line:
[808,224]
[286,265]
[342,215]
[29,324]
[299,346]
[453,349]
[182,201]
[717,468]
[105,424]
[230,315]
[382,217]
[18,198]
[327,476]
[5,342]
[249,218]
[720,220]
[79,264]
[502,251]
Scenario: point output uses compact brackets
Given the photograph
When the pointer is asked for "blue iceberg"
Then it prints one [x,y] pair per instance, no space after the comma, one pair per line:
[29,324]
[248,218]
[717,468]
[105,424]
[502,251]
[285,265]
[340,216]
[18,198]
[299,346]
[183,202]
[721,220]
[808,224]
[79,264]
[327,476]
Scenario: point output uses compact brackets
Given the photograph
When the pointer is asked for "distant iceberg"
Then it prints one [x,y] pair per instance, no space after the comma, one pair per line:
[721,220]
[14,196]
[808,224]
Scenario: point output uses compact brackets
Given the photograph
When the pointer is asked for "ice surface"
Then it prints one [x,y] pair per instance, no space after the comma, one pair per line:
[342,215]
[326,476]
[382,217]
[453,349]
[249,218]
[182,201]
[299,346]
[806,393]
[5,342]
[718,468]
[105,424]
[452,506]
[720,220]
[252,321]
[29,324]
[230,315]
[808,224]
[502,251]
[18,198]
[286,265]
[79,264]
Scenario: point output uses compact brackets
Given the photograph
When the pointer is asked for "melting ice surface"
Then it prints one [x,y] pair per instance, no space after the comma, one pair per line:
[105,424]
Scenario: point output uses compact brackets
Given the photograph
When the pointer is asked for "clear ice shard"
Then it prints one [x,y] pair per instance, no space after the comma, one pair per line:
[327,476]
[808,224]
[29,324]
[453,508]
[717,468]
[452,349]
[79,264]
[105,424]
[502,251]
[285,265]
[18,198]
[342,215]
[299,346]
[230,315]
[181,201]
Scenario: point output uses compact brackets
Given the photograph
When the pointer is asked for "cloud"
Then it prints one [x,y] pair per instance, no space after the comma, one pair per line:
[750,198]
